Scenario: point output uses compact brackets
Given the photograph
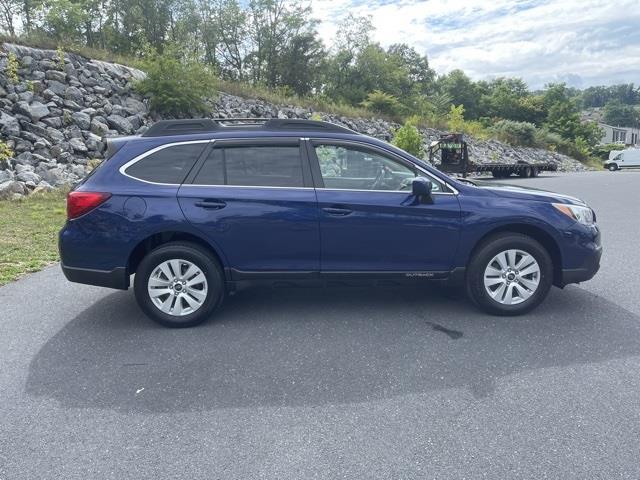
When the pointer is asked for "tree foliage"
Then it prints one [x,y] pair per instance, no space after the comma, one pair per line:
[175,88]
[620,115]
[408,138]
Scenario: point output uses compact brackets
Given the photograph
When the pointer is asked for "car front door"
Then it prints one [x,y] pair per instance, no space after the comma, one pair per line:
[255,201]
[370,221]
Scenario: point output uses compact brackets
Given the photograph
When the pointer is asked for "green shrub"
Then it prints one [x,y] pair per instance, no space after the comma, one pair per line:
[602,151]
[5,152]
[457,123]
[60,58]
[176,88]
[515,133]
[382,102]
[408,138]
[12,68]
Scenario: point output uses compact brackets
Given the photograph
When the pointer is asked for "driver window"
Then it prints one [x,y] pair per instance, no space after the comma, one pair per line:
[350,168]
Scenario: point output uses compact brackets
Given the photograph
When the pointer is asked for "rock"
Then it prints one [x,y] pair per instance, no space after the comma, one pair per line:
[55,134]
[53,176]
[55,122]
[26,96]
[99,128]
[9,126]
[82,120]
[29,177]
[5,175]
[78,145]
[120,123]
[42,187]
[56,75]
[74,94]
[35,111]
[11,187]
[56,87]
[134,105]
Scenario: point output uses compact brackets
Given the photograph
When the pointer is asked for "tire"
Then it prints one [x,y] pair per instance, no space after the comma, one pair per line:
[196,302]
[534,172]
[525,172]
[613,167]
[524,298]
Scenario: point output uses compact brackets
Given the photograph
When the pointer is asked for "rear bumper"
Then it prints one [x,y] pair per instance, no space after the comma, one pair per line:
[586,272]
[117,278]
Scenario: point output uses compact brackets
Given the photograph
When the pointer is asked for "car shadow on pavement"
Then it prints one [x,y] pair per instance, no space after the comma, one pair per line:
[305,347]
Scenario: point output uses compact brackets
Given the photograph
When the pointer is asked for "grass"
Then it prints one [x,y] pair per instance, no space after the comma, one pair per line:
[29,233]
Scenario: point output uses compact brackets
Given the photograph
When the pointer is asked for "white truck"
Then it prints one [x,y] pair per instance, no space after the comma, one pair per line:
[619,159]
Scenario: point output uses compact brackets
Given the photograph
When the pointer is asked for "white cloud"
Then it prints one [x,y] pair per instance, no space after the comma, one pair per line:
[585,42]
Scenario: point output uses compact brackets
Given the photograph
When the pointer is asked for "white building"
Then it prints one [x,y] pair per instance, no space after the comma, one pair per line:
[621,135]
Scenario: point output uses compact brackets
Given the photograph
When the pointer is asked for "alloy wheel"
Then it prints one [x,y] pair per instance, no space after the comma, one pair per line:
[177,287]
[512,277]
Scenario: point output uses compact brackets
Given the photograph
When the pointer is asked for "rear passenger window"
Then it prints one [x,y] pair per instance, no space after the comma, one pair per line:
[259,166]
[212,171]
[168,165]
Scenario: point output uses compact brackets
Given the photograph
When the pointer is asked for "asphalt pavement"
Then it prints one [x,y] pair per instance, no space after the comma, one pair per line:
[387,383]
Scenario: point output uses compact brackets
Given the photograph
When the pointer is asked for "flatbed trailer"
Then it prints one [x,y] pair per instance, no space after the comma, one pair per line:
[454,157]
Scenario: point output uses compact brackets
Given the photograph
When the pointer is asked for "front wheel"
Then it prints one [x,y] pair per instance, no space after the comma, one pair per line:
[510,274]
[613,167]
[179,284]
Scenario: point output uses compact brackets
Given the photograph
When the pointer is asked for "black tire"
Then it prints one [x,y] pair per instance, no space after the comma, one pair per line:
[203,260]
[486,252]
[534,172]
[525,172]
[613,167]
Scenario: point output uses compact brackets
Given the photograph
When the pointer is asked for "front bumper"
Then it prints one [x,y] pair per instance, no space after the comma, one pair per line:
[585,272]
[117,278]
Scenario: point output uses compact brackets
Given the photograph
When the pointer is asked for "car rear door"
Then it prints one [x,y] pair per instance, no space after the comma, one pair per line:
[255,201]
[370,221]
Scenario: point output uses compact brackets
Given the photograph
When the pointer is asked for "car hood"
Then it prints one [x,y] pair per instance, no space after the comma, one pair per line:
[525,193]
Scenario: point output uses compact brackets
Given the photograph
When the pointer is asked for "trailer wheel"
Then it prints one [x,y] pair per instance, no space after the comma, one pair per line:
[525,172]
[534,172]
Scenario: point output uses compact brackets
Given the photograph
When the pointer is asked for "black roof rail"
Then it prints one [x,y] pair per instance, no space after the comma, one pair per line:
[203,125]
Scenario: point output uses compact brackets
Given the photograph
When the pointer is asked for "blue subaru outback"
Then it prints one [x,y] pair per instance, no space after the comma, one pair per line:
[195,208]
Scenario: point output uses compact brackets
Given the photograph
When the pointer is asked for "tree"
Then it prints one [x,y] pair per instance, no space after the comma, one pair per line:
[9,13]
[620,115]
[462,91]
[408,138]
[381,102]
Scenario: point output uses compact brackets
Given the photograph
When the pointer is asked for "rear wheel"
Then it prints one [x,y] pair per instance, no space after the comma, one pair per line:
[179,285]
[510,274]
[525,172]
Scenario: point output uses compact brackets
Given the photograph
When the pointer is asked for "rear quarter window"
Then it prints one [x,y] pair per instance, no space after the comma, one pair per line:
[168,165]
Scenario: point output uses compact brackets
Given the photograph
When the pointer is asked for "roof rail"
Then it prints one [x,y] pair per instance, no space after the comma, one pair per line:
[203,125]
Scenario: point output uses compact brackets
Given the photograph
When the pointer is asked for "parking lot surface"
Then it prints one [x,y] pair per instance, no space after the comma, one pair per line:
[394,383]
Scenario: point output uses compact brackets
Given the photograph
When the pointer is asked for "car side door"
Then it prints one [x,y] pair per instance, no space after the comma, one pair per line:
[255,201]
[369,219]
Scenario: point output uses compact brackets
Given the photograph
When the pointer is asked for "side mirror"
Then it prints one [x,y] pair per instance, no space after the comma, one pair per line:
[421,187]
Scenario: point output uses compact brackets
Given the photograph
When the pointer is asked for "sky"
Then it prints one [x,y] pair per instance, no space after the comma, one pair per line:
[580,42]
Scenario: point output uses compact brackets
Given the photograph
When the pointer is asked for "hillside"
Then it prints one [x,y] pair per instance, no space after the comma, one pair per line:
[55,112]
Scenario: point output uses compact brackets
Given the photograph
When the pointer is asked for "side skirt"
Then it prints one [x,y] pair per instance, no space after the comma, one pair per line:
[238,278]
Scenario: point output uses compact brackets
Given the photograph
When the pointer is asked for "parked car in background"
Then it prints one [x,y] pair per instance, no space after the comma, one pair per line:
[629,158]
[196,208]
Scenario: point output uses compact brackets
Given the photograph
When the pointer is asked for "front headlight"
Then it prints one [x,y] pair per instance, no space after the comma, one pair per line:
[583,215]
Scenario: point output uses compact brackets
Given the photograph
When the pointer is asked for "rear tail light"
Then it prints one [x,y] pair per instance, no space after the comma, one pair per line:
[79,203]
